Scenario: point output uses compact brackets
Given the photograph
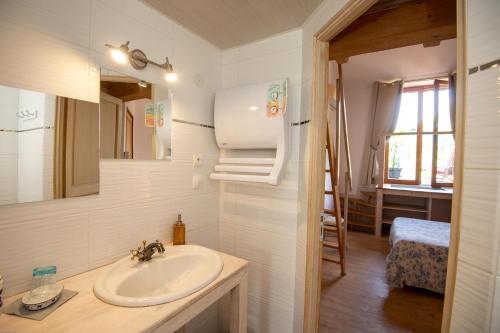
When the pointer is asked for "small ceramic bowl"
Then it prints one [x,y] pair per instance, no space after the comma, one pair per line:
[42,297]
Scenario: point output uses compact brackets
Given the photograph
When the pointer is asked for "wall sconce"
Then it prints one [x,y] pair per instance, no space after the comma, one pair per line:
[138,60]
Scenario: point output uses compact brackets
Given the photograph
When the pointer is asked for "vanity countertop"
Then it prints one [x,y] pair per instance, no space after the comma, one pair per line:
[86,313]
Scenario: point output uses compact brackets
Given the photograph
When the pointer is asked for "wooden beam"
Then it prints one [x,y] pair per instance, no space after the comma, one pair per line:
[126,91]
[426,22]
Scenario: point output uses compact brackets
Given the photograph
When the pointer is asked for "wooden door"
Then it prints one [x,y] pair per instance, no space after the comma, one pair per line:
[82,148]
[110,128]
[129,135]
[76,148]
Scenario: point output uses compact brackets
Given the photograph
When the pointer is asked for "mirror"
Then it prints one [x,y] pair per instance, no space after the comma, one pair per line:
[136,118]
[49,146]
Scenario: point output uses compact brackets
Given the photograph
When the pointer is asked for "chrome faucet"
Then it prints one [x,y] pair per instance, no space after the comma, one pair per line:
[147,251]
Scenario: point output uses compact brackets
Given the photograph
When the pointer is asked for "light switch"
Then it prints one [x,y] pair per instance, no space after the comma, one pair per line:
[197,161]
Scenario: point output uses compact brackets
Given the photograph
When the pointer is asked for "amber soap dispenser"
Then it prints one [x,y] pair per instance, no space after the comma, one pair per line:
[179,232]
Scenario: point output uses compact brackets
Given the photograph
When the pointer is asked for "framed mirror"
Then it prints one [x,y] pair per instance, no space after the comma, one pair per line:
[136,118]
[49,146]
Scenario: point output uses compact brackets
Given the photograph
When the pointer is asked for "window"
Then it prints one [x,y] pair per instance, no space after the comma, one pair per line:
[421,149]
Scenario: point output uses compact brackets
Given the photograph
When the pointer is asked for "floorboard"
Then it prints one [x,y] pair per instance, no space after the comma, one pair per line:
[361,301]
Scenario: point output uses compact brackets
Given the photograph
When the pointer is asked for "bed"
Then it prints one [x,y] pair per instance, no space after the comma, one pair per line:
[419,254]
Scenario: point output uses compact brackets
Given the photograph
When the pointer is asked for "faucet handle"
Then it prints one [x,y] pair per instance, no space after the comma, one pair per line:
[133,253]
[144,244]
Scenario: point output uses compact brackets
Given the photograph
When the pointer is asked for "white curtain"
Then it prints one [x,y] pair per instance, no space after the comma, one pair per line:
[385,118]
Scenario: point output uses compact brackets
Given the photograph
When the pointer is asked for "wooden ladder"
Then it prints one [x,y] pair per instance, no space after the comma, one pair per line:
[334,223]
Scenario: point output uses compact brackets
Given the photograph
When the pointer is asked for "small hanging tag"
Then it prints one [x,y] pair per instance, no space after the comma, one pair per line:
[276,100]
[149,115]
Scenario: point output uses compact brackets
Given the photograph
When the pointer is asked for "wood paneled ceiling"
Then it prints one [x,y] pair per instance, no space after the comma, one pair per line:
[229,23]
[393,24]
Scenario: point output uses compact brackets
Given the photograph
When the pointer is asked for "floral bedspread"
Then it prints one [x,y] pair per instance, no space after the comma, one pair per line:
[419,254]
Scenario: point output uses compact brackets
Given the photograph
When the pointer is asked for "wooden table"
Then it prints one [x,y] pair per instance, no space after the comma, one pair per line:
[85,313]
[408,191]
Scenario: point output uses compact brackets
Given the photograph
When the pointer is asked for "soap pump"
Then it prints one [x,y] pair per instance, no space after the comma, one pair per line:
[179,232]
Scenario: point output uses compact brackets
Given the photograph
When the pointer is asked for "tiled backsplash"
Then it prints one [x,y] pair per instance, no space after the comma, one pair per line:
[259,222]
[138,200]
[476,307]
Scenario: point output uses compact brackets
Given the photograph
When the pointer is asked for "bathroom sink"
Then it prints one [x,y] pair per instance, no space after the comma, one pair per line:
[179,272]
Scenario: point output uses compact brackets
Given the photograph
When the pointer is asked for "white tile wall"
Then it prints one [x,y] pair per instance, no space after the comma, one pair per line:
[9,101]
[265,224]
[482,135]
[483,44]
[30,166]
[476,307]
[473,295]
[8,175]
[259,222]
[480,216]
[495,320]
[138,199]
[61,65]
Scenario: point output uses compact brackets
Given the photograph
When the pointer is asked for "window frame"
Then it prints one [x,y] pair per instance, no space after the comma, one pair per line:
[436,86]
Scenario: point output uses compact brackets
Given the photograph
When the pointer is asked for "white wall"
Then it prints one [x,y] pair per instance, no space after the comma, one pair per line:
[258,222]
[138,199]
[476,306]
[362,71]
[9,104]
[35,147]
[142,135]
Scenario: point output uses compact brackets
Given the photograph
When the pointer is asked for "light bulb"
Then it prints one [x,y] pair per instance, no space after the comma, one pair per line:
[171,77]
[119,56]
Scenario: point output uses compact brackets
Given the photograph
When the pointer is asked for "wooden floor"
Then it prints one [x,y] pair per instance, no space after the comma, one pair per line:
[361,301]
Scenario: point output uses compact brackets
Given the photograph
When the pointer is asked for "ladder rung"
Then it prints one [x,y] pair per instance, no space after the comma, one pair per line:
[330,244]
[360,202]
[331,258]
[369,194]
[360,213]
[329,228]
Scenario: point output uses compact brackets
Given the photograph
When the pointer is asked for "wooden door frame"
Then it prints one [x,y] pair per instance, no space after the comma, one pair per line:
[460,98]
[127,115]
[316,145]
[119,138]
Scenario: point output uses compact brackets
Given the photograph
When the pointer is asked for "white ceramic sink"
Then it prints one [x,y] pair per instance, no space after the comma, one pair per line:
[180,271]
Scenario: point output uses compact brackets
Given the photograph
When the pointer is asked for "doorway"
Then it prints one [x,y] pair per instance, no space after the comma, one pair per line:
[317,137]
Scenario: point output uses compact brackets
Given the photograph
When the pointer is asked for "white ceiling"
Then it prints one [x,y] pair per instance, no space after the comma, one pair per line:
[230,23]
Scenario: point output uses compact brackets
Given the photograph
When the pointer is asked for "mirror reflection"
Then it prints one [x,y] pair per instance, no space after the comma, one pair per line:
[49,146]
[135,118]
